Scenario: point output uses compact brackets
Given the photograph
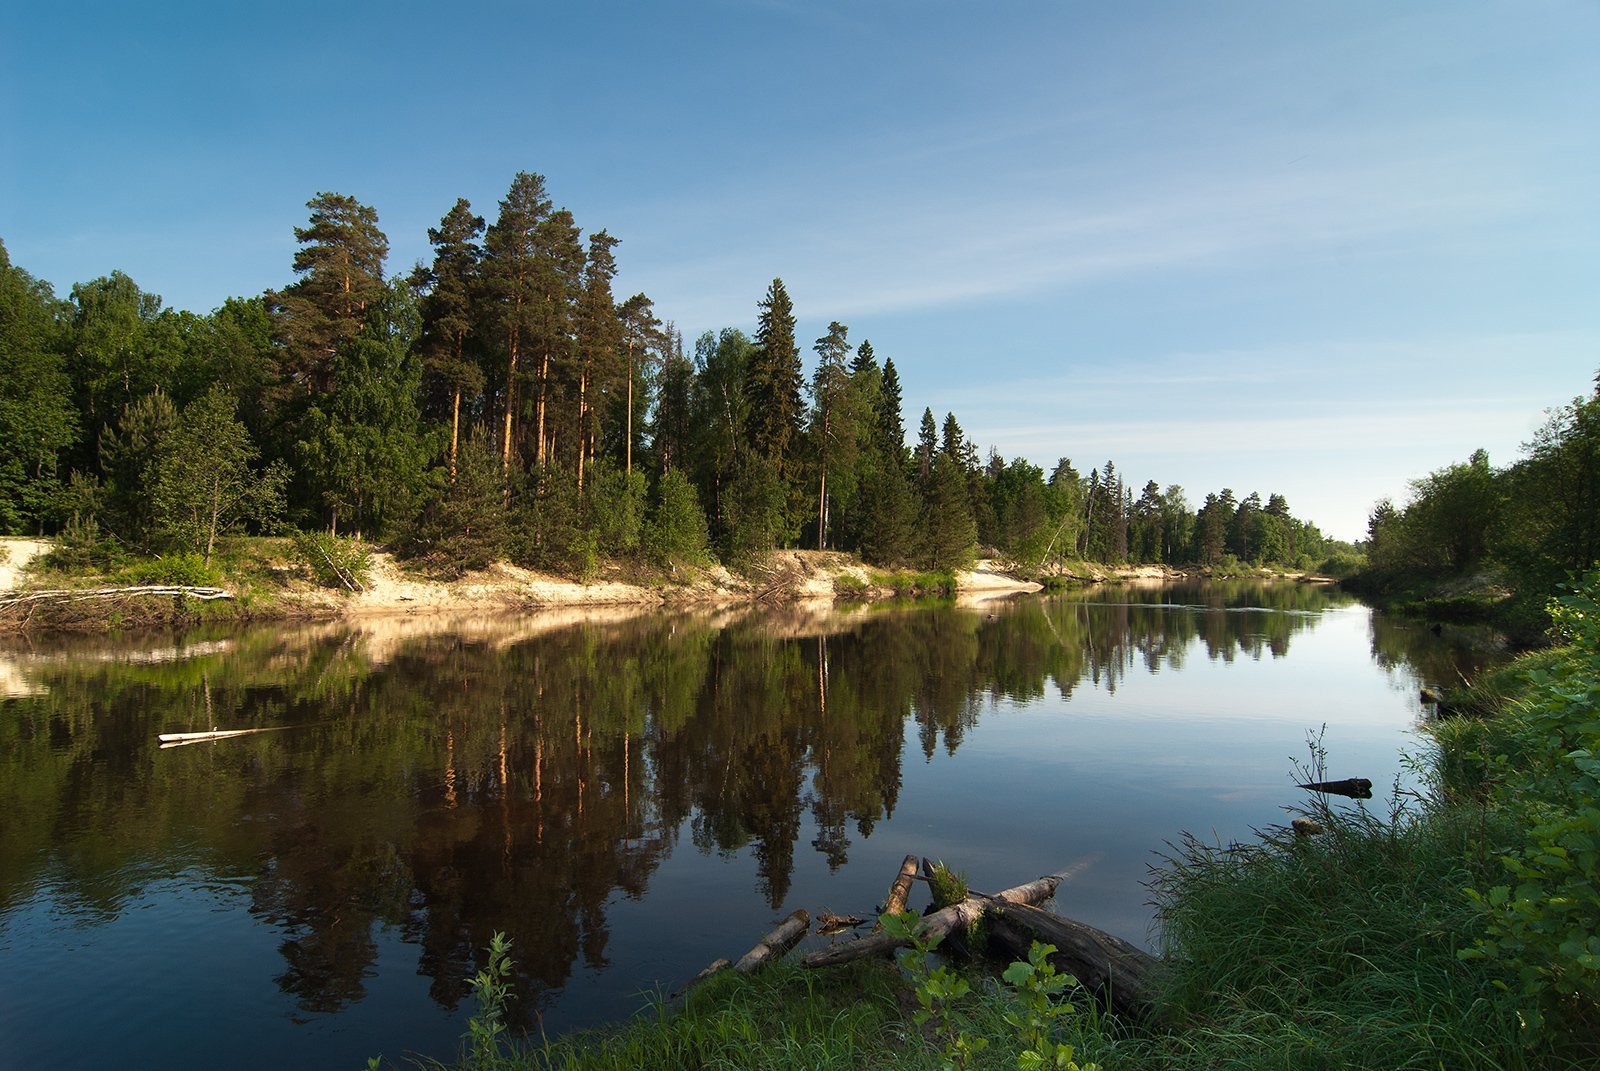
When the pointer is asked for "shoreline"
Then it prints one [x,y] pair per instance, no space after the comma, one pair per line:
[783,577]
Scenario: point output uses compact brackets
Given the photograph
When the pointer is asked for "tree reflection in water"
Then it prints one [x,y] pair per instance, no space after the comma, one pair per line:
[447,780]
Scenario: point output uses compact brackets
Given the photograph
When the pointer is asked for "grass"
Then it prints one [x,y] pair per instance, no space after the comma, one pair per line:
[787,1018]
[1335,951]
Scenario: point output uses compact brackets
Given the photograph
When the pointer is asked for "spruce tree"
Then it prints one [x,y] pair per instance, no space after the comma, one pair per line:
[864,359]
[772,384]
[890,425]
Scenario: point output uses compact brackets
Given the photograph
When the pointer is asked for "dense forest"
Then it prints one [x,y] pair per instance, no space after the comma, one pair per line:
[502,402]
[1525,528]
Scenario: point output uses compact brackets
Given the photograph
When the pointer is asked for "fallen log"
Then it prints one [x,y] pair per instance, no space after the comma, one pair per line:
[1357,788]
[776,943]
[900,891]
[70,595]
[1117,971]
[180,739]
[714,967]
[941,923]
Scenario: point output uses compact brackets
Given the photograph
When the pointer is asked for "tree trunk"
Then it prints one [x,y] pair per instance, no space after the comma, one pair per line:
[900,891]
[511,395]
[1121,973]
[941,923]
[544,378]
[583,389]
[776,943]
[455,429]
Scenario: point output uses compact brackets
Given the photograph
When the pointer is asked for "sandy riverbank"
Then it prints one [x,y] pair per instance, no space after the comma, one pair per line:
[389,589]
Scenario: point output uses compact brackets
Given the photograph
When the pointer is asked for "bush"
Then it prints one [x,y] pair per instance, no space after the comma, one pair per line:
[189,570]
[334,562]
[677,532]
[1546,778]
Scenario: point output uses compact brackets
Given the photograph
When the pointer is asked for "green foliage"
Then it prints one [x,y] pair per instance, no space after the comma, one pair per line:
[1342,563]
[936,988]
[850,586]
[203,483]
[1036,1010]
[1336,950]
[190,570]
[947,886]
[1541,921]
[950,533]
[334,562]
[755,511]
[361,448]
[464,523]
[616,511]
[491,990]
[37,420]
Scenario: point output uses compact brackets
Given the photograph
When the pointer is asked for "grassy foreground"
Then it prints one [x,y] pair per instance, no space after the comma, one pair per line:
[1455,928]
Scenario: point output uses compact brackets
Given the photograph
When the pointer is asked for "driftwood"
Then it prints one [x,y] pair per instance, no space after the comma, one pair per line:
[1116,970]
[66,595]
[900,891]
[180,739]
[1357,788]
[941,923]
[776,943]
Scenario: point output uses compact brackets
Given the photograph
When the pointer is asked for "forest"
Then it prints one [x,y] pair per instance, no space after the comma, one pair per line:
[501,402]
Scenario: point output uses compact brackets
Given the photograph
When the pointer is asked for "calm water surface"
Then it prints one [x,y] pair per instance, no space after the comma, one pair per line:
[628,797]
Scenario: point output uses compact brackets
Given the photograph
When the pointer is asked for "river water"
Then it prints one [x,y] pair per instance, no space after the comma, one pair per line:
[627,796]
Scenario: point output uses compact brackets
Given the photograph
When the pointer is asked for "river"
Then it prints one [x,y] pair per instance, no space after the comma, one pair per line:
[627,796]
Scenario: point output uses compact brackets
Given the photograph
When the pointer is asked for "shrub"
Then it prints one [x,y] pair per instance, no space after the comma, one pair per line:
[334,562]
[189,570]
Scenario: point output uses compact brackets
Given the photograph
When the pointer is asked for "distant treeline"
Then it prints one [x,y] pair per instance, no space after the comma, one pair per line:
[500,402]
[1529,526]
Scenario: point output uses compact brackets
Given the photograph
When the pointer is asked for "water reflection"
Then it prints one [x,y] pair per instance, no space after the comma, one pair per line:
[442,780]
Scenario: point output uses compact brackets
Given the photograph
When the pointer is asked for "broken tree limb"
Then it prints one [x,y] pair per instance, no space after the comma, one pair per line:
[776,943]
[900,891]
[1122,974]
[941,923]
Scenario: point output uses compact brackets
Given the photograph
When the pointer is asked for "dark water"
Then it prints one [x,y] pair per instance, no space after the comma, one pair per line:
[628,798]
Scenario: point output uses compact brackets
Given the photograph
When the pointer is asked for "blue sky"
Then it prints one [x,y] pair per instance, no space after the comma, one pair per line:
[1315,248]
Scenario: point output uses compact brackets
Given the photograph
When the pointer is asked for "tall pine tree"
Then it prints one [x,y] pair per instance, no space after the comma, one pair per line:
[447,308]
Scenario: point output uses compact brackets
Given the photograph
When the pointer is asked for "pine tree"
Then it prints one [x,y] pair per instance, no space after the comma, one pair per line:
[447,308]
[517,281]
[598,346]
[340,265]
[834,432]
[643,338]
[673,433]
